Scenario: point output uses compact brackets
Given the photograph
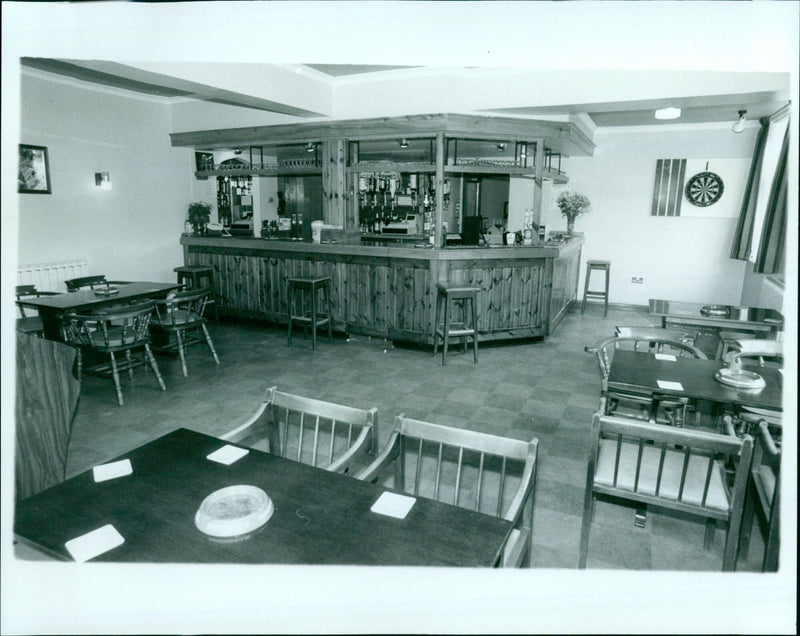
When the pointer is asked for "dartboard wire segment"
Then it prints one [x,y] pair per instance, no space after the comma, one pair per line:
[704,189]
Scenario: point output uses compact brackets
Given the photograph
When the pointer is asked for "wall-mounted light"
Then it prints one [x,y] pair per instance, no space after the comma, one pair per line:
[311,146]
[502,146]
[668,113]
[738,125]
[237,151]
[404,143]
[102,180]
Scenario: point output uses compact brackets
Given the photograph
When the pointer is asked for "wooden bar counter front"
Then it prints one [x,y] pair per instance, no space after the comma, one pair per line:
[390,291]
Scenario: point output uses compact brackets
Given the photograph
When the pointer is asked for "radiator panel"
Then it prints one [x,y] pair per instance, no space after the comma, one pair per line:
[51,276]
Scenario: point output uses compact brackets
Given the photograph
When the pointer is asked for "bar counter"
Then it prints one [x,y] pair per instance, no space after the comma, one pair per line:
[390,291]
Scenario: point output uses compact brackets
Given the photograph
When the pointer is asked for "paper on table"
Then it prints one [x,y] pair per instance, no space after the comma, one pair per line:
[673,386]
[393,505]
[227,454]
[112,470]
[94,543]
[666,356]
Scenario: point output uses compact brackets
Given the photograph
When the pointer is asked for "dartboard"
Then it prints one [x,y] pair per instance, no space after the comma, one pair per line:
[704,188]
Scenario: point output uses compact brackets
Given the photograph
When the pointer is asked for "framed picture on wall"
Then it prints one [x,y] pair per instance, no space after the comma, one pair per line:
[34,170]
[204,160]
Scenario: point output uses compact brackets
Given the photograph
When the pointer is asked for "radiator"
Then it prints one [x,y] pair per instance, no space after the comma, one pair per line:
[51,276]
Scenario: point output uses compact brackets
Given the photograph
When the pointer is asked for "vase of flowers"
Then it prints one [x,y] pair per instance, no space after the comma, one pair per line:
[572,206]
[199,215]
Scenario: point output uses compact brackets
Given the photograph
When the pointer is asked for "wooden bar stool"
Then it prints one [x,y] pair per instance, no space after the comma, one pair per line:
[455,292]
[590,267]
[197,276]
[309,288]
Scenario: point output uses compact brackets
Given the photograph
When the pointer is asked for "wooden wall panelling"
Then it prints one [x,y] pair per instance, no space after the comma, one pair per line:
[46,397]
[333,183]
[395,296]
[422,303]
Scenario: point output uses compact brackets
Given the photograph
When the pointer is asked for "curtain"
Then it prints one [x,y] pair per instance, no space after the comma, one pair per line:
[773,235]
[743,238]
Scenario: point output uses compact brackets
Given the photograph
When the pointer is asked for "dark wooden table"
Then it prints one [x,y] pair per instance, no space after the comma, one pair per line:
[52,308]
[320,517]
[639,372]
[753,319]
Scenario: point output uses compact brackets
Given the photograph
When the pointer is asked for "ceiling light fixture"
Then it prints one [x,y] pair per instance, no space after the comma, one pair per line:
[738,125]
[668,113]
[311,147]
[404,143]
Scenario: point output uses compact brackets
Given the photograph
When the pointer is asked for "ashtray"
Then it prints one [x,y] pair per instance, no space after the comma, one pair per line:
[740,378]
[233,511]
[715,310]
[106,291]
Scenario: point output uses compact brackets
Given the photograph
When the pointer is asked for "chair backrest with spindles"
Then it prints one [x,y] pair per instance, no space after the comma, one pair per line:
[758,350]
[74,284]
[116,328]
[652,337]
[315,432]
[673,467]
[28,291]
[469,469]
[182,309]
[605,347]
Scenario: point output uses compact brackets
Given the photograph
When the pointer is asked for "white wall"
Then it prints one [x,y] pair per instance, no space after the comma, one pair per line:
[680,258]
[132,231]
[759,291]
[190,116]
[129,232]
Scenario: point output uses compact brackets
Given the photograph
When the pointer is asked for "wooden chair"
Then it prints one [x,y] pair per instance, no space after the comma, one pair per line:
[123,330]
[27,322]
[93,282]
[668,467]
[653,337]
[727,341]
[487,473]
[181,315]
[322,434]
[193,276]
[763,498]
[663,409]
[764,353]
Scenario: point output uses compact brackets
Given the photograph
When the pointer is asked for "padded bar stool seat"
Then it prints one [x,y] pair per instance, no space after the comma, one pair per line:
[590,267]
[197,276]
[310,288]
[446,292]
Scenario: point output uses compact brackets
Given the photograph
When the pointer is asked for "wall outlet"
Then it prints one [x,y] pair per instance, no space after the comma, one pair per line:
[637,279]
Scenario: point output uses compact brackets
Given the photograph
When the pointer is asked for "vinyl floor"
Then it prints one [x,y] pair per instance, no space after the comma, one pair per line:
[544,389]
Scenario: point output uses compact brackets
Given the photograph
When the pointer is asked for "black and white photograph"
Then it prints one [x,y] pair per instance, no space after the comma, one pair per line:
[400,317]
[34,170]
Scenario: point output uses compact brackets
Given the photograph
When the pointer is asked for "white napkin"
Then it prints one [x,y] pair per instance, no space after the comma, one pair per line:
[666,384]
[112,470]
[393,505]
[94,543]
[227,454]
[666,356]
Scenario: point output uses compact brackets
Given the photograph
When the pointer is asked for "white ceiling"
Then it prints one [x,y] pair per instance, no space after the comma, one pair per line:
[603,99]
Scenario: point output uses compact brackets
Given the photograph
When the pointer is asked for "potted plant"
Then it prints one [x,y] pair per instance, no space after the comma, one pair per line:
[199,214]
[572,206]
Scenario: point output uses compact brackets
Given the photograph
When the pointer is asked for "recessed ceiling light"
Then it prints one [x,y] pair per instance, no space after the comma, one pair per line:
[668,113]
